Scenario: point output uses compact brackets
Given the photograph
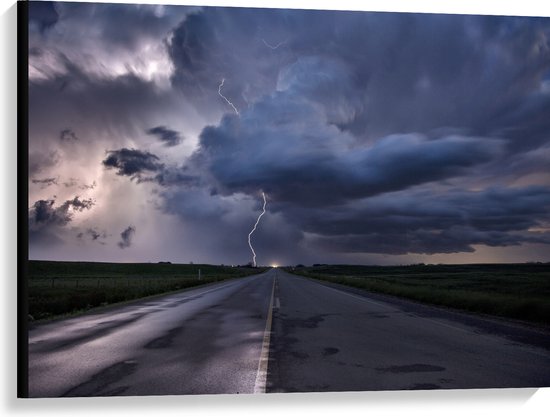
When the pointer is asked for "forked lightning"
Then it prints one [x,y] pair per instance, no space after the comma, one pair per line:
[254,229]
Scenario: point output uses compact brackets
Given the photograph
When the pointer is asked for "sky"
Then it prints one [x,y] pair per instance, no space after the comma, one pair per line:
[377,138]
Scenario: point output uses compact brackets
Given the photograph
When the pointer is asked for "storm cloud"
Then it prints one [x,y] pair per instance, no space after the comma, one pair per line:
[126,237]
[44,214]
[145,167]
[431,222]
[377,136]
[405,72]
[47,221]
[167,136]
[273,157]
[43,15]
[132,162]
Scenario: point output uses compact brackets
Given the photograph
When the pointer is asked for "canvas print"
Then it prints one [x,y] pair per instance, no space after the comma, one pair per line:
[224,200]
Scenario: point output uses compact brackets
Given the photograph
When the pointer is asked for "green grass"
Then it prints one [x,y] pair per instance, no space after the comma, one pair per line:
[518,291]
[67,288]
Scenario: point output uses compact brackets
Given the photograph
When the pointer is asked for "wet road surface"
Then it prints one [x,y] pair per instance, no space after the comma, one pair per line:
[203,341]
[277,332]
[333,338]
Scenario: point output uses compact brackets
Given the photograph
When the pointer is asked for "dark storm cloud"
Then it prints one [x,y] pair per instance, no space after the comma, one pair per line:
[146,167]
[285,147]
[368,131]
[177,176]
[167,136]
[429,222]
[408,72]
[526,124]
[132,162]
[429,101]
[293,143]
[67,135]
[453,240]
[126,237]
[43,14]
[219,43]
[45,215]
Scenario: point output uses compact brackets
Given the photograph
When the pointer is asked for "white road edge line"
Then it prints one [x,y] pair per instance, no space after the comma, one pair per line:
[261,376]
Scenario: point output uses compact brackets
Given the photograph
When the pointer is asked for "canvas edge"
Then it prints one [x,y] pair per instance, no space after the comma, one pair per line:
[22,197]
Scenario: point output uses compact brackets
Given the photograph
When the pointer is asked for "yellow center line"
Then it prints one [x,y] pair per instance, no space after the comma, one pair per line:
[261,375]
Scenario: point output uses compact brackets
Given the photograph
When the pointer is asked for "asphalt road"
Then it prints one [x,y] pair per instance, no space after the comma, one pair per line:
[331,338]
[203,341]
[277,332]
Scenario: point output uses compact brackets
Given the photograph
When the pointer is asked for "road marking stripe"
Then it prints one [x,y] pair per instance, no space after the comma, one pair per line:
[261,376]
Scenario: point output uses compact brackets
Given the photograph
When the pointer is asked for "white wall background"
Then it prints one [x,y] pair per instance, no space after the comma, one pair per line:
[507,402]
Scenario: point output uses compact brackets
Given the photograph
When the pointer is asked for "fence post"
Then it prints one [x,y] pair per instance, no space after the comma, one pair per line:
[199,274]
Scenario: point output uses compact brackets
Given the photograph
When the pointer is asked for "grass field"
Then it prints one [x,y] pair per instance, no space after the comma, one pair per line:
[61,288]
[518,291]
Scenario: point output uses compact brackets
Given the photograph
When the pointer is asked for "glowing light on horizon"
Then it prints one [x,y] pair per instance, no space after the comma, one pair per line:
[225,98]
[254,229]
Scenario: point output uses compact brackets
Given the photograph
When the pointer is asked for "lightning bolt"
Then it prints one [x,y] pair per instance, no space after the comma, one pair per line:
[225,98]
[254,229]
[276,46]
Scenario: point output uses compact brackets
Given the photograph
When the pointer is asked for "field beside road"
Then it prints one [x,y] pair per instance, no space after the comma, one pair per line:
[517,291]
[61,288]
